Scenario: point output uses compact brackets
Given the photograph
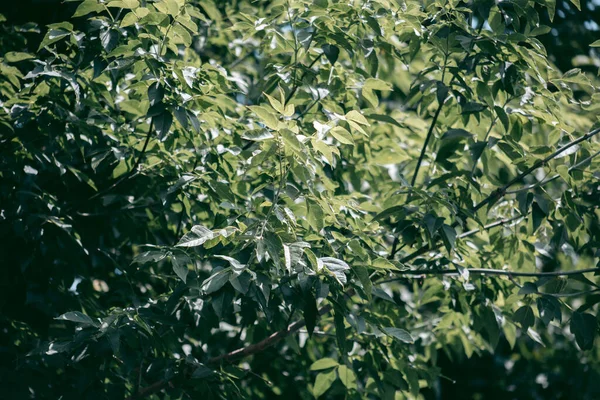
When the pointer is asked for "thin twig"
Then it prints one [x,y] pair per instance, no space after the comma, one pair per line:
[487,271]
[427,248]
[427,138]
[544,182]
[501,191]
[133,169]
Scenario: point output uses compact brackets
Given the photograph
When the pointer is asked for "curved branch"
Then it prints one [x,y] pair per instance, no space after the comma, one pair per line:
[238,353]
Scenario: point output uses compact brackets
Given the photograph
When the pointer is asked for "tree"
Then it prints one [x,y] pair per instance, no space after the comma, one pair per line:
[305,198]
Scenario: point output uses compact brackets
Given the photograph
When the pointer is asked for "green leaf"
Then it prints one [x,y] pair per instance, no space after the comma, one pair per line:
[503,117]
[549,309]
[528,288]
[336,267]
[537,216]
[323,363]
[237,266]
[216,281]
[332,52]
[274,247]
[535,336]
[315,215]
[372,84]
[257,135]
[197,236]
[78,317]
[150,256]
[340,330]
[323,383]
[347,376]
[382,263]
[311,312]
[156,93]
[87,7]
[363,276]
[357,117]
[180,267]
[399,334]
[53,36]
[525,317]
[585,328]
[162,124]
[241,282]
[127,4]
[266,116]
[16,56]
[456,134]
[448,237]
[341,135]
[596,43]
[577,4]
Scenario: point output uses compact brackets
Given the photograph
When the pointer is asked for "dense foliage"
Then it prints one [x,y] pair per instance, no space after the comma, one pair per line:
[307,198]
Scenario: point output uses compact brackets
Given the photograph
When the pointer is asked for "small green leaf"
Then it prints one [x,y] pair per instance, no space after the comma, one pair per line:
[78,317]
[16,56]
[311,312]
[127,4]
[315,215]
[528,288]
[525,317]
[149,256]
[372,84]
[577,4]
[340,330]
[347,376]
[448,237]
[156,93]
[357,117]
[323,363]
[595,44]
[341,135]
[197,236]
[332,52]
[585,328]
[266,116]
[87,7]
[180,267]
[323,383]
[382,263]
[162,123]
[216,281]
[399,334]
[257,135]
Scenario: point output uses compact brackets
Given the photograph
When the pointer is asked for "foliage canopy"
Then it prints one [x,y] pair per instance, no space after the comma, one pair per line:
[294,197]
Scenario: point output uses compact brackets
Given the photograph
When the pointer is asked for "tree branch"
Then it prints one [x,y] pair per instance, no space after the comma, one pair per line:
[427,248]
[266,342]
[238,353]
[427,138]
[501,191]
[487,271]
[133,169]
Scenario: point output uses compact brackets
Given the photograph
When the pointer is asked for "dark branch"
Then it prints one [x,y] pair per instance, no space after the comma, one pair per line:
[427,138]
[486,271]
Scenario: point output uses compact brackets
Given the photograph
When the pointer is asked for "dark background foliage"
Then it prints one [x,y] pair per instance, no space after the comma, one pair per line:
[50,267]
